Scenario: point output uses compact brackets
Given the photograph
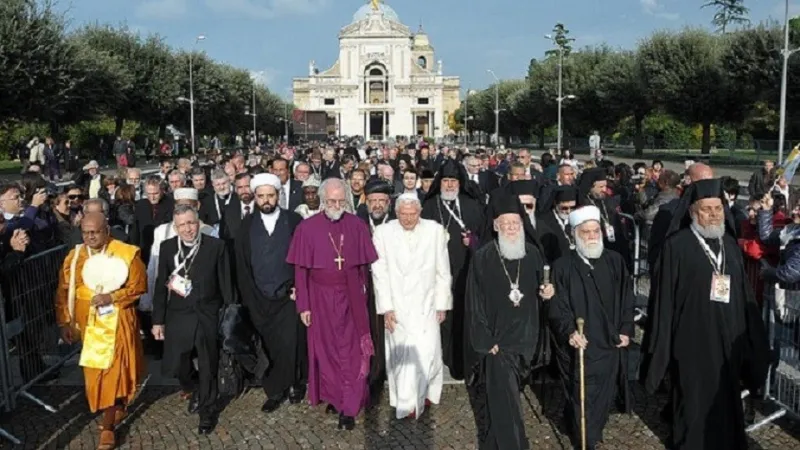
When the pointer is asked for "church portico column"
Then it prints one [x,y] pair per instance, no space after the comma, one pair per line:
[368,127]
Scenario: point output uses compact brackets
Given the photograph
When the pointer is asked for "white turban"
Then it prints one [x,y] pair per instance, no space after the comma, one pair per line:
[186,194]
[583,214]
[265,179]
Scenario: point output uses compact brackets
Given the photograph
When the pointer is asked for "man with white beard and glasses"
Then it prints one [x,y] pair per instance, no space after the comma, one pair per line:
[454,203]
[411,279]
[331,253]
[592,283]
[504,295]
[706,329]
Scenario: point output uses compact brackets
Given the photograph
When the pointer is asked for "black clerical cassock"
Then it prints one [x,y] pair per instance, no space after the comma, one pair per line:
[492,318]
[615,235]
[711,341]
[377,369]
[265,281]
[190,322]
[599,291]
[461,216]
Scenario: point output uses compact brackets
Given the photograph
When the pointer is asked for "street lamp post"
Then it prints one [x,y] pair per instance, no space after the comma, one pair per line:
[253,112]
[496,108]
[466,114]
[191,88]
[560,99]
[787,53]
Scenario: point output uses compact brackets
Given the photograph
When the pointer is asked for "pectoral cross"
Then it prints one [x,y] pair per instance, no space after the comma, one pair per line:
[339,260]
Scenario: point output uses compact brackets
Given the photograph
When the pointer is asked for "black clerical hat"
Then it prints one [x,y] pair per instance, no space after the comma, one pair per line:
[427,174]
[523,187]
[701,189]
[565,194]
[505,203]
[379,187]
[452,169]
[592,176]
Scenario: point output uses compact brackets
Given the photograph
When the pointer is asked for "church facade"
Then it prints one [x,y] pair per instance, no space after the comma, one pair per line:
[385,83]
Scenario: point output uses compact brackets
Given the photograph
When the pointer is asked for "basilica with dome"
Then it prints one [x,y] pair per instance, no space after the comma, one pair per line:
[386,82]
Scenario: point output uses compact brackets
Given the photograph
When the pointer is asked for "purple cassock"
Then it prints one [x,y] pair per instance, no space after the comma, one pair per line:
[331,262]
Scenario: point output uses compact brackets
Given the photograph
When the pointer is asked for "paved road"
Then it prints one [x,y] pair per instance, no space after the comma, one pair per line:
[159,421]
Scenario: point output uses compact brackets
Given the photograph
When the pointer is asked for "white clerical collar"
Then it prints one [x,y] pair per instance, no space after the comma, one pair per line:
[269,220]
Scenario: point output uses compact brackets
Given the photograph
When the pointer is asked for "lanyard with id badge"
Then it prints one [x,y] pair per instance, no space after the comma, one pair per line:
[178,284]
[720,281]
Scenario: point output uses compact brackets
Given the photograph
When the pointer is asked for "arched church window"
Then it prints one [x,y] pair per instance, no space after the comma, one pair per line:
[422,62]
[376,72]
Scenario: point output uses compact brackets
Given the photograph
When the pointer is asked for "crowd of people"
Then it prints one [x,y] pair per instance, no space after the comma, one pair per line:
[350,265]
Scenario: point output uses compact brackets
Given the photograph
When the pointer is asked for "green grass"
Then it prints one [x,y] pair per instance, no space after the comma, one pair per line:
[10,167]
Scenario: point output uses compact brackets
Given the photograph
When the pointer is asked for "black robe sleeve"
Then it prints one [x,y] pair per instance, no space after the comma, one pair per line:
[161,293]
[562,318]
[226,285]
[658,343]
[758,356]
[480,335]
[627,324]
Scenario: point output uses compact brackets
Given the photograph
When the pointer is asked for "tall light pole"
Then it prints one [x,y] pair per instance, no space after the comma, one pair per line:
[197,40]
[560,99]
[253,112]
[496,108]
[787,53]
[466,114]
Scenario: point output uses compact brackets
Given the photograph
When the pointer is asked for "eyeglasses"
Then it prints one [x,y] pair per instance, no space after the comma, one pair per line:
[75,197]
[332,202]
[566,208]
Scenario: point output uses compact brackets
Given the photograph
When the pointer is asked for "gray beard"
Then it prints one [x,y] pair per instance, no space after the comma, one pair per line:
[511,249]
[376,216]
[709,232]
[563,217]
[588,251]
[449,196]
[333,214]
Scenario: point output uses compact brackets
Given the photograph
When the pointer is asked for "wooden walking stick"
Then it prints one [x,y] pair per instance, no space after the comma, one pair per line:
[583,388]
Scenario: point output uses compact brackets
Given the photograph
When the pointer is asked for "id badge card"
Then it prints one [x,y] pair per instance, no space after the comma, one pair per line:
[180,285]
[104,310]
[721,288]
[610,233]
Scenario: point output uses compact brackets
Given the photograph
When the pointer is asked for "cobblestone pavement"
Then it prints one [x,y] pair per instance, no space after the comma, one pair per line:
[159,421]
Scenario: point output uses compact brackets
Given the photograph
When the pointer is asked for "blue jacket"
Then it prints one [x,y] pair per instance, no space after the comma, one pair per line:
[788,238]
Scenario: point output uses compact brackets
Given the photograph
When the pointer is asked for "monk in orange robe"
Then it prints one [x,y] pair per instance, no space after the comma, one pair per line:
[112,389]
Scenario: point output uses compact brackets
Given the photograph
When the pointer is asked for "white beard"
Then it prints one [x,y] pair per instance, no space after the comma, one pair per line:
[709,232]
[589,251]
[564,217]
[511,249]
[449,196]
[334,215]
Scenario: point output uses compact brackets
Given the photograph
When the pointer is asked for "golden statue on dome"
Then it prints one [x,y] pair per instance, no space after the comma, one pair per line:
[376,5]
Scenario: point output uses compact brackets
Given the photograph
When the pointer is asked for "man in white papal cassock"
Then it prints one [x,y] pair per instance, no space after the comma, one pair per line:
[412,281]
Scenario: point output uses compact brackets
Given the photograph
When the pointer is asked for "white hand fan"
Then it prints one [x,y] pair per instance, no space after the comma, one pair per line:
[104,274]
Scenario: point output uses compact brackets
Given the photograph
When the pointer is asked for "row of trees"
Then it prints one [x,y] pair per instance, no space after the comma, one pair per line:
[727,81]
[61,78]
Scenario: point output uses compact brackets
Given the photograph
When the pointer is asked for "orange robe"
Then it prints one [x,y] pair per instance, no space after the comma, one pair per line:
[120,381]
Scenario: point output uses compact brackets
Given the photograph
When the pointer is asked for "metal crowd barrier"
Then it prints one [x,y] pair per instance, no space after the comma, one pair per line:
[782,315]
[30,351]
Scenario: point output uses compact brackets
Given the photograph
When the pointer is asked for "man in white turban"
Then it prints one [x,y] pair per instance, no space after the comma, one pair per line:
[311,204]
[593,284]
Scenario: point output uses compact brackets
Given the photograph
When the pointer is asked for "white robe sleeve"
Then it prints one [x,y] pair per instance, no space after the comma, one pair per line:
[381,276]
[442,289]
[146,300]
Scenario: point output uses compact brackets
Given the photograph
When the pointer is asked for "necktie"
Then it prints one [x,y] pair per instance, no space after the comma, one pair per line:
[282,199]
[246,211]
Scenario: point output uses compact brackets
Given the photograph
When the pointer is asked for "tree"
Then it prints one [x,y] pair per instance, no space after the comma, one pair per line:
[683,73]
[729,12]
[560,36]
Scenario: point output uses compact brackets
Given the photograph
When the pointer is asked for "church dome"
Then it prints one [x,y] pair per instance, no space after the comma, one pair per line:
[365,11]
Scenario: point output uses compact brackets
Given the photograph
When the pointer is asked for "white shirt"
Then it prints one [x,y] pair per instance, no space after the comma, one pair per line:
[474,177]
[286,188]
[270,220]
[243,211]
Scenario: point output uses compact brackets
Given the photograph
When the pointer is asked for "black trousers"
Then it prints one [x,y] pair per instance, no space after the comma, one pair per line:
[284,340]
[205,388]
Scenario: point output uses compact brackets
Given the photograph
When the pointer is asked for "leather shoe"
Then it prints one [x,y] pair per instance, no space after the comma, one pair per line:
[272,404]
[206,426]
[297,394]
[331,410]
[194,404]
[346,422]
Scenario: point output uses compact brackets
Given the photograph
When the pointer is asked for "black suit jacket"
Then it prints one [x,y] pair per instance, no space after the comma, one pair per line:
[141,233]
[296,197]
[208,208]
[212,287]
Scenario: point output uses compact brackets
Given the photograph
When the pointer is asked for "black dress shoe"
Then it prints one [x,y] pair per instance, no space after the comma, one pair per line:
[194,404]
[206,426]
[346,422]
[272,404]
[297,394]
[331,410]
